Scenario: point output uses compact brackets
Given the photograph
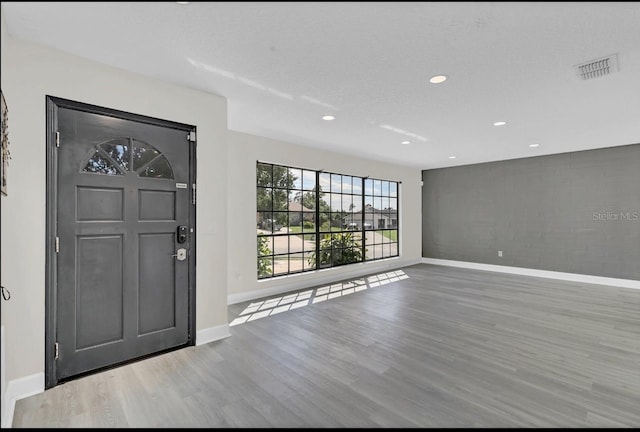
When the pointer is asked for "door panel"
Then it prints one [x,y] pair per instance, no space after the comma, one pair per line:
[157,205]
[157,288]
[99,288]
[121,293]
[99,204]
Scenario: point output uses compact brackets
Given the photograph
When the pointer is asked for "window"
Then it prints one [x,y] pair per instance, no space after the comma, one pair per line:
[307,220]
[115,157]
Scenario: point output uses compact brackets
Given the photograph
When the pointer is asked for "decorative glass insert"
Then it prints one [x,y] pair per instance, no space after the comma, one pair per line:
[159,168]
[143,153]
[120,151]
[99,164]
[120,155]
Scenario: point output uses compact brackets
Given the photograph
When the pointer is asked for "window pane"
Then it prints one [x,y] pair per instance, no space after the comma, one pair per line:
[325,182]
[119,151]
[308,221]
[357,185]
[377,187]
[280,200]
[393,189]
[393,249]
[262,218]
[336,183]
[336,221]
[264,200]
[325,202]
[385,188]
[384,205]
[281,178]
[346,184]
[280,245]
[143,153]
[263,175]
[295,178]
[265,267]
[309,261]
[281,220]
[393,203]
[160,168]
[280,264]
[325,219]
[336,202]
[296,263]
[308,201]
[295,222]
[308,180]
[377,203]
[265,245]
[357,203]
[99,164]
[368,186]
[347,203]
[296,243]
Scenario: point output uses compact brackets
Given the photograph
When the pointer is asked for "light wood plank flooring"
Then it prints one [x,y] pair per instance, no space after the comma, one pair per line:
[444,347]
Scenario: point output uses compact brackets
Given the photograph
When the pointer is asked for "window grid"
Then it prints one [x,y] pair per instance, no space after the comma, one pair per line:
[308,220]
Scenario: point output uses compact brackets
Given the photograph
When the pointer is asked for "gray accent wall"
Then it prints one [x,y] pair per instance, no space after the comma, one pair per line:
[575,212]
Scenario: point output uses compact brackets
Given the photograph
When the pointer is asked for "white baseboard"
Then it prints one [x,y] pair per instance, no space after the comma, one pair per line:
[212,334]
[305,280]
[19,389]
[573,277]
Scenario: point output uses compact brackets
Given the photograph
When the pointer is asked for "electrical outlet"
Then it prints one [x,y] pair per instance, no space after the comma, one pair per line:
[499,253]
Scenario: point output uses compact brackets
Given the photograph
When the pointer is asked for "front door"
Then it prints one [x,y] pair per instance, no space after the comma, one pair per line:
[124,239]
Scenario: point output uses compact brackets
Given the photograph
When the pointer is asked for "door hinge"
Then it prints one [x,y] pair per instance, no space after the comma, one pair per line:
[57,139]
[191,136]
[57,244]
[57,351]
[193,194]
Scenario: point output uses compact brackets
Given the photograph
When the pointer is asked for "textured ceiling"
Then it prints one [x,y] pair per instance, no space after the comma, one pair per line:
[282,66]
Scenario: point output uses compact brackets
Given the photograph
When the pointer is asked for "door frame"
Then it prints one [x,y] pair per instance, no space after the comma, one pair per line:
[51,264]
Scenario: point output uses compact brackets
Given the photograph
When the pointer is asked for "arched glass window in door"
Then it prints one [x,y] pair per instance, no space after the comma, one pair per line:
[120,155]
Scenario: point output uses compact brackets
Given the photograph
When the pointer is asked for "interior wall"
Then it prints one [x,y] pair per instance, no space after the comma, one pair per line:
[29,73]
[575,212]
[244,151]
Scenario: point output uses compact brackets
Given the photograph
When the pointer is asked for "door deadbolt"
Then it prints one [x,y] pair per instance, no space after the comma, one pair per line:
[181,254]
[181,234]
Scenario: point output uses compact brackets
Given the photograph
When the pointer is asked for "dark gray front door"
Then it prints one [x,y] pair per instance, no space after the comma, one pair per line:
[123,190]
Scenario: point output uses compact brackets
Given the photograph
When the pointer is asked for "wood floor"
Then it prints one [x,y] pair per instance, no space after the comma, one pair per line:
[444,347]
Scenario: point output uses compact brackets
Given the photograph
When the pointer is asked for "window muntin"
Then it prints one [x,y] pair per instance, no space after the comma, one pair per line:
[307,219]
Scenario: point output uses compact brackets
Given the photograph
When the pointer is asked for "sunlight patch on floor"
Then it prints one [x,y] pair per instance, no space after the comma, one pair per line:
[277,305]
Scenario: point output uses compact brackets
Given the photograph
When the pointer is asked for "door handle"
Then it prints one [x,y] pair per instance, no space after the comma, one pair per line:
[181,254]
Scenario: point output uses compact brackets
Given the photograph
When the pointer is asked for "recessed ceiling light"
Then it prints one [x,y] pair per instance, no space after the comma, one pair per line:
[183,3]
[534,145]
[500,123]
[452,157]
[437,79]
[328,117]
[405,142]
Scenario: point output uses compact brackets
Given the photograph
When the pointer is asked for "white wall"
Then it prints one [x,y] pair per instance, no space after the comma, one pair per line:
[244,151]
[29,73]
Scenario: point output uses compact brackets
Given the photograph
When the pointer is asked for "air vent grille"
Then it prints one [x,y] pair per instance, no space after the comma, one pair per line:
[598,68]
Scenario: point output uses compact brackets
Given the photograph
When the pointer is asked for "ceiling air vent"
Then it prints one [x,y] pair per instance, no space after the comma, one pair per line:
[598,68]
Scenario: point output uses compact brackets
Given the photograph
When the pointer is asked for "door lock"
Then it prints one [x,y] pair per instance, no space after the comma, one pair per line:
[181,254]
[181,234]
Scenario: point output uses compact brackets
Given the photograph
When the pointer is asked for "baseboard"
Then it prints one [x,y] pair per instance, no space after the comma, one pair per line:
[304,280]
[573,277]
[19,389]
[212,334]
